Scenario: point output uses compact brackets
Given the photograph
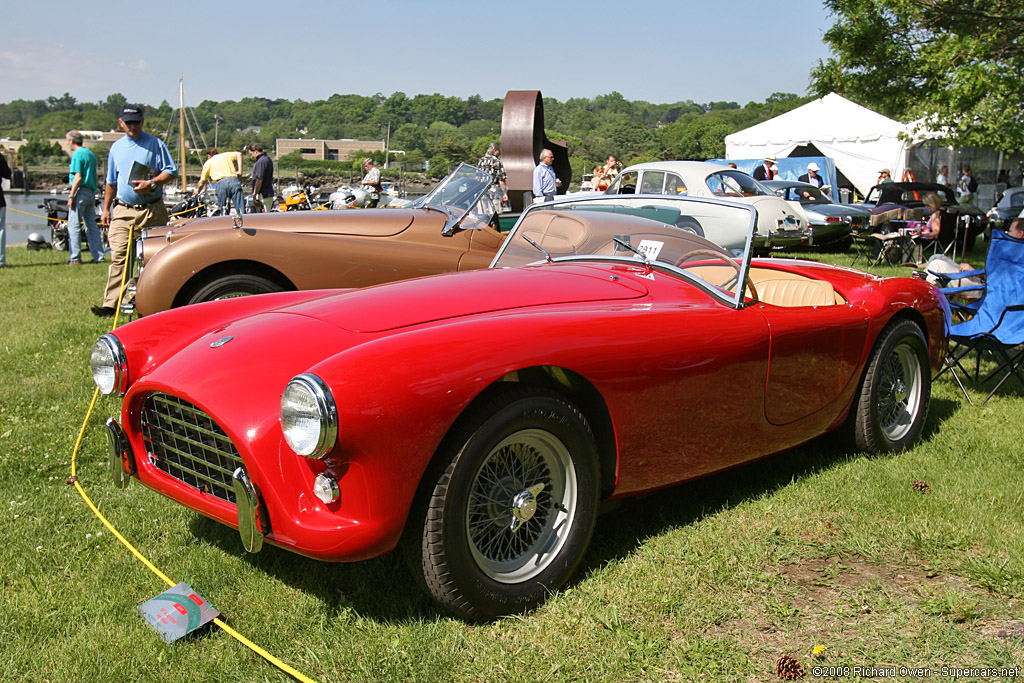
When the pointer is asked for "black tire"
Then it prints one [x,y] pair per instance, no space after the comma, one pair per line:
[891,404]
[690,224]
[507,513]
[231,286]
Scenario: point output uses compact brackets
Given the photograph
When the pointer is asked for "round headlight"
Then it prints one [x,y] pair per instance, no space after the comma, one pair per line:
[309,418]
[109,365]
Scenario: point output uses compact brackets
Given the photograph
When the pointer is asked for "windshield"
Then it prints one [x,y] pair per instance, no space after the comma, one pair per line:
[694,239]
[735,184]
[458,195]
[805,194]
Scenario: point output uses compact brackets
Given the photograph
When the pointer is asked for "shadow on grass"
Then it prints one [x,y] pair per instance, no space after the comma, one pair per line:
[384,589]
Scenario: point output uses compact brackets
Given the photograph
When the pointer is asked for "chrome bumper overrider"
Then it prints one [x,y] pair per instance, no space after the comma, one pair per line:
[119,457]
[252,518]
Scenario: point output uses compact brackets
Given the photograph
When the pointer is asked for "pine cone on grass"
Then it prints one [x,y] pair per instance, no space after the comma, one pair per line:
[921,486]
[788,668]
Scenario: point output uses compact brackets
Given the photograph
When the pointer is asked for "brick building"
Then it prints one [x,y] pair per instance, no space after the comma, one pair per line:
[329,150]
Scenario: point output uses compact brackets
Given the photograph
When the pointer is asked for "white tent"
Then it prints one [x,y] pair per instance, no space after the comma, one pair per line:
[861,141]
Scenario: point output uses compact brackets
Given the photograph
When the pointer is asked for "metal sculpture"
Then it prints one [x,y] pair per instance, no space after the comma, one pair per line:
[522,139]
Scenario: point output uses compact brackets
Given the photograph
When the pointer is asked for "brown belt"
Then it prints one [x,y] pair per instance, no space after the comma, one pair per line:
[137,207]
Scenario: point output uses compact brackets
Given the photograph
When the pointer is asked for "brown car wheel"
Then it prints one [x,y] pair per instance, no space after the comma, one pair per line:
[231,286]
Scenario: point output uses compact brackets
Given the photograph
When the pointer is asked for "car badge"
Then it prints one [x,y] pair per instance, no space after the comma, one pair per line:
[220,342]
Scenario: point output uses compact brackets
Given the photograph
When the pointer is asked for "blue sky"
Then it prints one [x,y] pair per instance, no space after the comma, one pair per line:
[738,51]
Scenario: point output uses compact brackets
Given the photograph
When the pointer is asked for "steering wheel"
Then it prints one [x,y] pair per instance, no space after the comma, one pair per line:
[707,252]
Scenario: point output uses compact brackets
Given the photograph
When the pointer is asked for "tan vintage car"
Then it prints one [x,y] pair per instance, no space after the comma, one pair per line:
[207,259]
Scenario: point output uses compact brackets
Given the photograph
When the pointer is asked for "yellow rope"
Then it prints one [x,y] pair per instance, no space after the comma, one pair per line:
[127,544]
[35,215]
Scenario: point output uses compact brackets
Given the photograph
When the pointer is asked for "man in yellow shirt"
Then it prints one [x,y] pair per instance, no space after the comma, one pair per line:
[225,171]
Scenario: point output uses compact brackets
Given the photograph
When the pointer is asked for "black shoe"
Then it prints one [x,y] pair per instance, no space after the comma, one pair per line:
[102,311]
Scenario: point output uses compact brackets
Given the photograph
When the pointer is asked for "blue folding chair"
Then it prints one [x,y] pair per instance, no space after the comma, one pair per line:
[997,328]
[963,308]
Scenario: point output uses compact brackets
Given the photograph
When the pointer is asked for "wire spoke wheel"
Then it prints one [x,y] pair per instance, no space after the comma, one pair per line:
[521,503]
[899,397]
[891,404]
[507,508]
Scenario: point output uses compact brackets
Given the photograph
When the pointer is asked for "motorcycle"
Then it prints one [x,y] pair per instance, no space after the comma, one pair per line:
[349,197]
[301,199]
[57,219]
[192,206]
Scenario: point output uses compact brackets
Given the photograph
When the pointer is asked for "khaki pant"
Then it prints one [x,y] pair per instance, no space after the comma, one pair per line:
[125,220]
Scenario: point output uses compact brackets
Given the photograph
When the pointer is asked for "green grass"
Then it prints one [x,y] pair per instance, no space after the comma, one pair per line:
[709,581]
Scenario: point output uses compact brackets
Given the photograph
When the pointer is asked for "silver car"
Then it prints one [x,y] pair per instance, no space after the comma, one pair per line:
[831,223]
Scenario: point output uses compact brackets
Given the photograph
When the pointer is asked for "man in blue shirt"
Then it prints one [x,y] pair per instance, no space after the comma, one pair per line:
[82,202]
[545,183]
[138,165]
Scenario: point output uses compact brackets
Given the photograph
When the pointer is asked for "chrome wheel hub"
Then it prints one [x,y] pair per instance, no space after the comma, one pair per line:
[524,506]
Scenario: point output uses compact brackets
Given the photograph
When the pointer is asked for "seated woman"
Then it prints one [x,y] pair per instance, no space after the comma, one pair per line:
[930,234]
[934,225]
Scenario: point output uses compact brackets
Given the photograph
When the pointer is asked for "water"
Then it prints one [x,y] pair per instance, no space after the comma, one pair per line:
[19,225]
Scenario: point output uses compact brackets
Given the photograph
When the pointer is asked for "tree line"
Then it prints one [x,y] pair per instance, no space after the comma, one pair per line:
[436,128]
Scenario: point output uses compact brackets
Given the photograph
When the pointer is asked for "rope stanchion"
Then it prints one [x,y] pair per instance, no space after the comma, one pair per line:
[73,479]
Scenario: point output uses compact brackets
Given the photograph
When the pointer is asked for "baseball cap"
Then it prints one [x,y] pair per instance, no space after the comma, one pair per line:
[130,112]
[812,167]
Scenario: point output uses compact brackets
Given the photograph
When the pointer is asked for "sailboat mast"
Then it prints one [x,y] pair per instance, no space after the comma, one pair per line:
[181,130]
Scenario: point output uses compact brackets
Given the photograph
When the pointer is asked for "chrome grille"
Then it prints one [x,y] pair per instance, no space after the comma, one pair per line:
[187,444]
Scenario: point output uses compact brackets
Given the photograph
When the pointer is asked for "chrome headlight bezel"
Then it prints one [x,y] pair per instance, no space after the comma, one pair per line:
[309,416]
[109,365]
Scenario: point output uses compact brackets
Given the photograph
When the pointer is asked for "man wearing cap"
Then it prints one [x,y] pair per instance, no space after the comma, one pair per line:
[884,176]
[812,177]
[764,171]
[371,182]
[138,165]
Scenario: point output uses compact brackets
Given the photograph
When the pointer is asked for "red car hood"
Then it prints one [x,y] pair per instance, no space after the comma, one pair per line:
[413,302]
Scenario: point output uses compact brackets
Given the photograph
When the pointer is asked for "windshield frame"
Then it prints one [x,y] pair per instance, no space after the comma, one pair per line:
[434,198]
[567,203]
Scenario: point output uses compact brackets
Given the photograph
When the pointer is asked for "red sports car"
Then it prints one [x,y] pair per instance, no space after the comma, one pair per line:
[478,419]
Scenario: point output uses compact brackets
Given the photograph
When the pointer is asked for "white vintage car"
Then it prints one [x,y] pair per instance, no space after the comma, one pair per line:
[780,224]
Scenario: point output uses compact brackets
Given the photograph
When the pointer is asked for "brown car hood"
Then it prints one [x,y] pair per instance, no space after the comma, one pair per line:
[355,222]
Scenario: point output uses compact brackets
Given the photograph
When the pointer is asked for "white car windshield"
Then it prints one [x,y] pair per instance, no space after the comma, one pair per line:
[458,196]
[686,237]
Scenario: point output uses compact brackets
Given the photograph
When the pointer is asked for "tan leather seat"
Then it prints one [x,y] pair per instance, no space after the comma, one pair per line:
[796,292]
[557,232]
